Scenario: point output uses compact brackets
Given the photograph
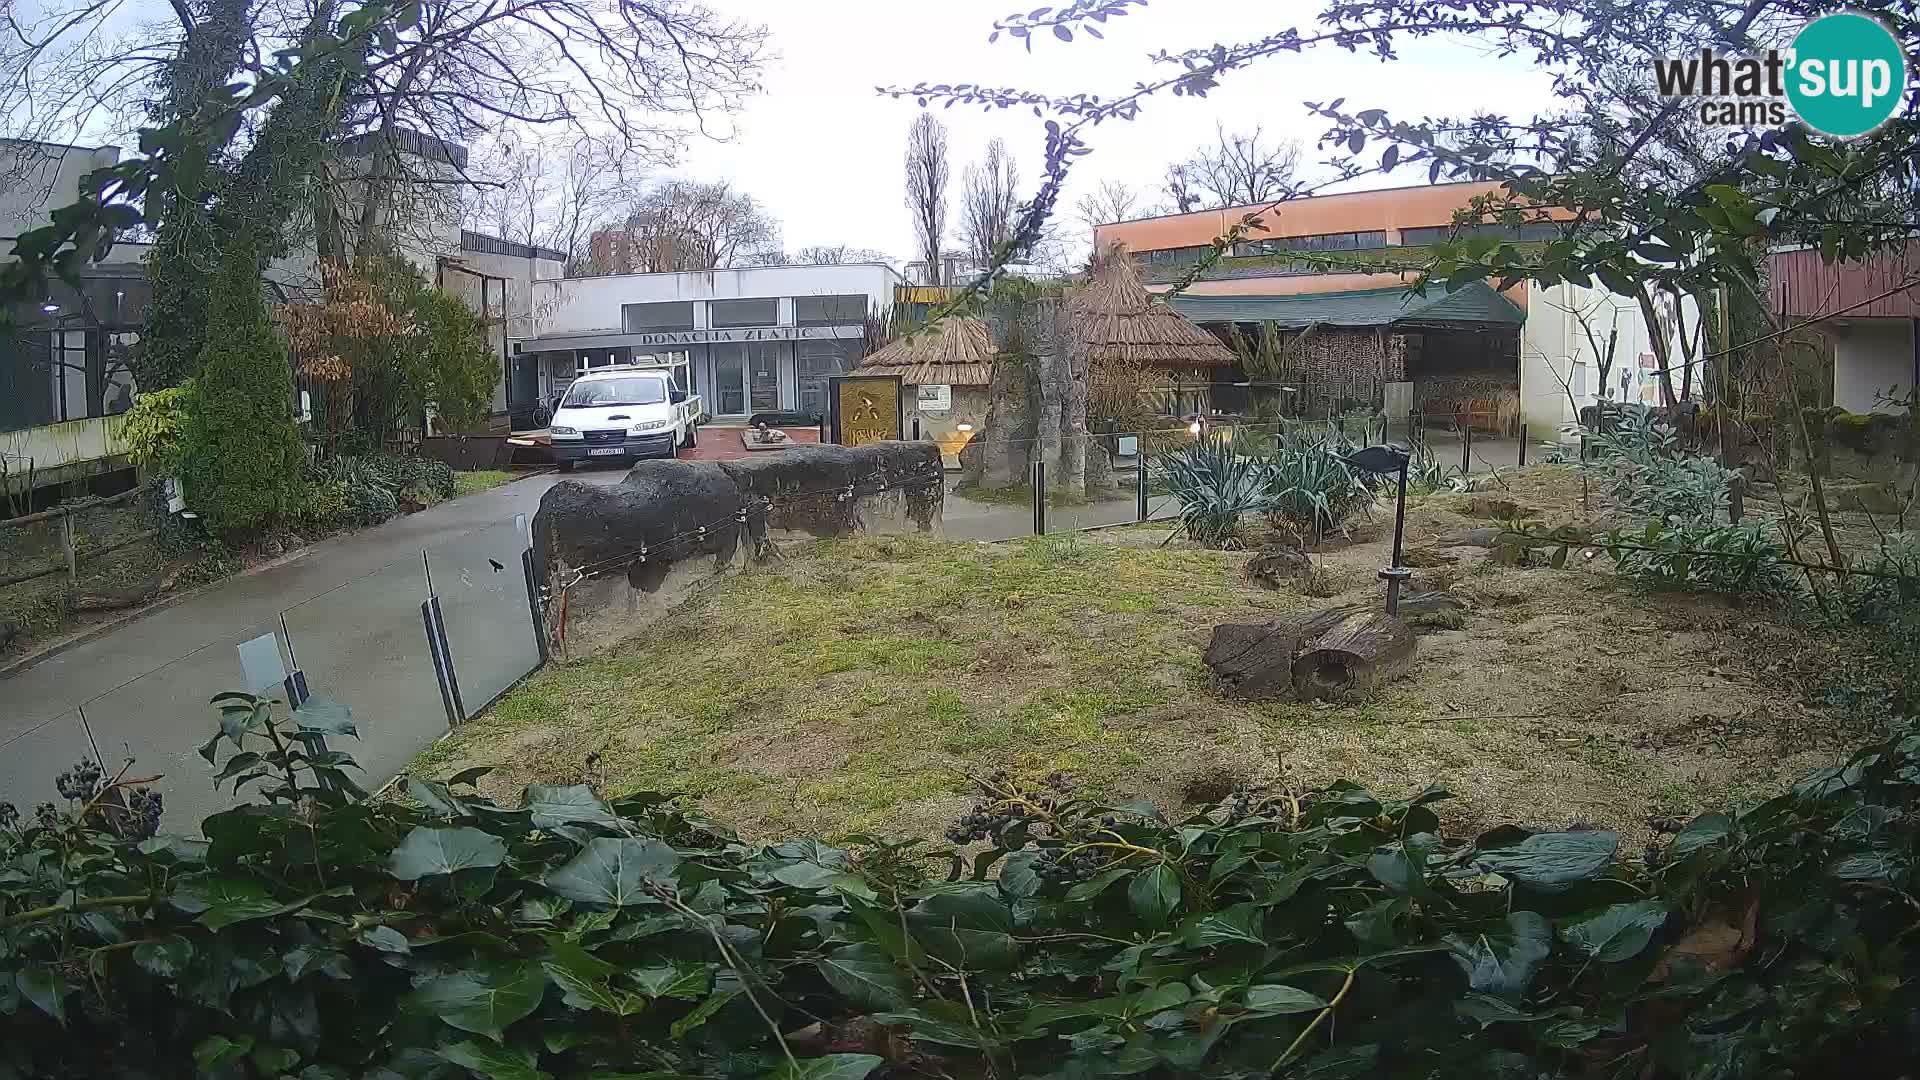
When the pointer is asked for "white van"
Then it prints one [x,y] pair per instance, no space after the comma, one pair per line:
[621,413]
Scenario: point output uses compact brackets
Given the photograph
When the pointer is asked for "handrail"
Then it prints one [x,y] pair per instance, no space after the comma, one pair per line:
[68,509]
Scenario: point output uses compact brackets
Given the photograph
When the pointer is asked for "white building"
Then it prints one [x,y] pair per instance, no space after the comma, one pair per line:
[761,339]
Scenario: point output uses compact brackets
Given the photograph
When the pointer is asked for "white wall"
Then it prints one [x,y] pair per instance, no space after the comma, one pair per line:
[1554,350]
[1871,357]
[590,304]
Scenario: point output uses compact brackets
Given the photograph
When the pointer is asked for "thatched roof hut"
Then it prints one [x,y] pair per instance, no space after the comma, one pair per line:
[955,351]
[1117,318]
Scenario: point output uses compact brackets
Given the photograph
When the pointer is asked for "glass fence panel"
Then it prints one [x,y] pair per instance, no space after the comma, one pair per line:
[162,718]
[483,602]
[364,644]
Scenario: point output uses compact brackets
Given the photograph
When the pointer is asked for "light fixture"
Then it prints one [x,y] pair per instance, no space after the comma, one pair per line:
[1193,428]
[49,308]
[964,427]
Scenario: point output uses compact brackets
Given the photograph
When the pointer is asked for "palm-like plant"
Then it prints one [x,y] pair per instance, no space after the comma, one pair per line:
[1215,486]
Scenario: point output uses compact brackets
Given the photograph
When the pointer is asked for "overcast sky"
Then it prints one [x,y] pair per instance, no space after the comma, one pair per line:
[823,150]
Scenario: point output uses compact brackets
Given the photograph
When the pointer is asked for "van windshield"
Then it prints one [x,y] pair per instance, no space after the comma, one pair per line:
[637,390]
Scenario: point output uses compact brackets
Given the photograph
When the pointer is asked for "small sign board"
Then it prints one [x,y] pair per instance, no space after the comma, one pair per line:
[176,498]
[934,397]
[261,665]
[1127,445]
[866,408]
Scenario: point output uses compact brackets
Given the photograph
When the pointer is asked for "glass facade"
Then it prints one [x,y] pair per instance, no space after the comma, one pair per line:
[829,310]
[814,363]
[655,318]
[728,314]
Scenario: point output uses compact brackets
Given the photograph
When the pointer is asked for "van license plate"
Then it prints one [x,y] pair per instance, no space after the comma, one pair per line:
[606,451]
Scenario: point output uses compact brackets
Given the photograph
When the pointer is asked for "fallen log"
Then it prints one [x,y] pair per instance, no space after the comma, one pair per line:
[1348,652]
[1335,655]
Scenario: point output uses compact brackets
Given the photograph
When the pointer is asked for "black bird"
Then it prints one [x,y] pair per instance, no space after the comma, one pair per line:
[496,564]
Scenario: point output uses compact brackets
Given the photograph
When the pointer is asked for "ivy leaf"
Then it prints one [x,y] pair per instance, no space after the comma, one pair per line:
[972,928]
[46,989]
[830,1067]
[428,851]
[614,872]
[1552,861]
[1097,884]
[438,798]
[688,982]
[1274,999]
[1700,832]
[163,958]
[1502,959]
[1154,894]
[701,1014]
[484,1003]
[468,776]
[494,1062]
[1618,932]
[215,1051]
[223,901]
[934,1029]
[866,976]
[554,805]
[385,939]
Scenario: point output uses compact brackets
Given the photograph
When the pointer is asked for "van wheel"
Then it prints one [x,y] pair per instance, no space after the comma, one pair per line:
[690,443]
[673,448]
[565,466]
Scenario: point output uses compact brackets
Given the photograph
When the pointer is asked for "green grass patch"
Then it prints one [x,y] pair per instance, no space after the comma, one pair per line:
[466,483]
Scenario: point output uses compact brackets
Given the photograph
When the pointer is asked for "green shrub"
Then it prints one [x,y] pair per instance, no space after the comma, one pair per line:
[350,490]
[1331,933]
[153,430]
[1747,558]
[241,458]
[1298,480]
[1650,476]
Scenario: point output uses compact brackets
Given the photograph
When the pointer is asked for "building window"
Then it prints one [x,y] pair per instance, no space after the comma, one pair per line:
[722,314]
[1528,231]
[829,310]
[816,362]
[656,318]
[1174,256]
[1344,241]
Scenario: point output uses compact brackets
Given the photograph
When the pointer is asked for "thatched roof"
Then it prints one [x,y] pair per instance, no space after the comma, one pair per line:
[954,351]
[1120,321]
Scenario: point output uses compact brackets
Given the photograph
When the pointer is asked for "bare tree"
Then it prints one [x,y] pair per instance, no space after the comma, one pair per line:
[1110,202]
[694,225]
[989,202]
[1178,185]
[552,193]
[927,173]
[836,255]
[1234,170]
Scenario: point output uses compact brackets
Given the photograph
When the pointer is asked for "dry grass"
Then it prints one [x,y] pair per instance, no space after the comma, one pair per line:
[855,685]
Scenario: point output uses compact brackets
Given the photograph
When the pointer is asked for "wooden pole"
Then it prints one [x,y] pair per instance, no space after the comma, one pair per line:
[67,545]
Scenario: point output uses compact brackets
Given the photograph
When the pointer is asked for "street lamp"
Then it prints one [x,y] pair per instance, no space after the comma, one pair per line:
[1381,460]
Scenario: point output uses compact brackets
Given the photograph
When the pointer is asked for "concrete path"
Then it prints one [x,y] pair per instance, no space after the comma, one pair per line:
[352,611]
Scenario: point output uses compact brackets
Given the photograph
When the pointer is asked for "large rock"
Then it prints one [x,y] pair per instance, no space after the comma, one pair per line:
[615,558]
[825,491]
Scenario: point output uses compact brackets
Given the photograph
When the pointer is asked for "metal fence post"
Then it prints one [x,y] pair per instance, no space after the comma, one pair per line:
[1140,484]
[1466,448]
[536,609]
[1039,498]
[1523,446]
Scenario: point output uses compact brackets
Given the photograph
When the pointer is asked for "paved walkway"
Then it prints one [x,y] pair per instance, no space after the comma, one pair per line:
[144,686]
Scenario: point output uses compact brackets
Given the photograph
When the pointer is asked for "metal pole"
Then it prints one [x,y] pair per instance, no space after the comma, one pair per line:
[1466,447]
[1523,446]
[916,427]
[1140,482]
[1039,498]
[1396,573]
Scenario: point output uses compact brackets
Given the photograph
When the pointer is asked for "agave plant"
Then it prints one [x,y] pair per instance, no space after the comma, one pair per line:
[1215,486]
[1311,487]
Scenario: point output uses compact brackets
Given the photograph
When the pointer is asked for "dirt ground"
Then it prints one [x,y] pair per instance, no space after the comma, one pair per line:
[856,685]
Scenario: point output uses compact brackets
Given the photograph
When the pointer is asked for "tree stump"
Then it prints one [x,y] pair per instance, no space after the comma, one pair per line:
[1347,652]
